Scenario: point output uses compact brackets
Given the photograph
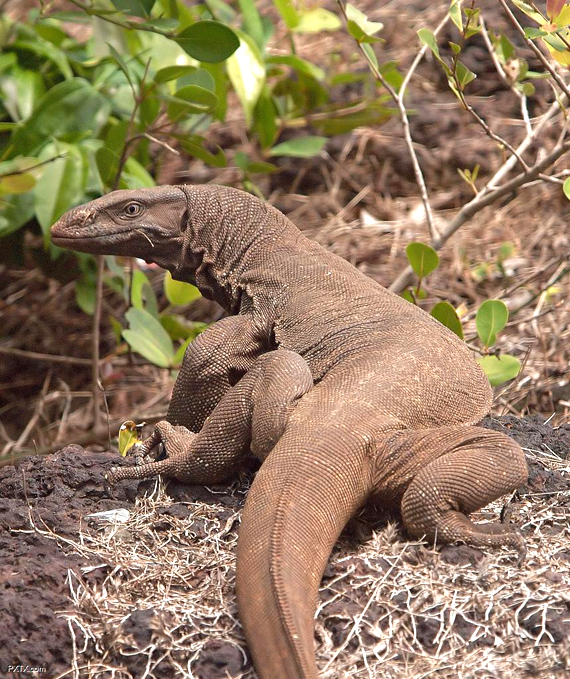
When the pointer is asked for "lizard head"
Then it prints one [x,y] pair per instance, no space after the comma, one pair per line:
[147,223]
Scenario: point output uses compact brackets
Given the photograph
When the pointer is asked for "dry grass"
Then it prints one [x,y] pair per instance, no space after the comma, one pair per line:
[388,608]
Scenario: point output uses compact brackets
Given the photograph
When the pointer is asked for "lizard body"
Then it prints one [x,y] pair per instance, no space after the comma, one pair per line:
[346,392]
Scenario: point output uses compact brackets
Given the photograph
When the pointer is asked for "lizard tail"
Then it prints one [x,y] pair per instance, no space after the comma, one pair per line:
[295,510]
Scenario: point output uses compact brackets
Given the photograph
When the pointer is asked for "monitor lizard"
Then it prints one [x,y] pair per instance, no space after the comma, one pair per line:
[346,392]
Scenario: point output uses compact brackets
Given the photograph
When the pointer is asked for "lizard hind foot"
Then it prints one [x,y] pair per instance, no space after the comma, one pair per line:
[470,467]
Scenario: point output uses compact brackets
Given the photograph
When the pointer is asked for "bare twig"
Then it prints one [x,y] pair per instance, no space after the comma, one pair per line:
[48,358]
[129,25]
[33,167]
[95,355]
[473,113]
[501,71]
[527,141]
[398,99]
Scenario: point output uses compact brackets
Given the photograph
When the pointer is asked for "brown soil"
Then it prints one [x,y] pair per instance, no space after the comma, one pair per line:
[157,590]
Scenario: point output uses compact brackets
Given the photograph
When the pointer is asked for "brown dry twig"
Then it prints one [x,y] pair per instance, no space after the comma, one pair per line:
[398,98]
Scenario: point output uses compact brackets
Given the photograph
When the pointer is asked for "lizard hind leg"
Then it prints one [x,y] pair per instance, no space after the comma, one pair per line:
[477,466]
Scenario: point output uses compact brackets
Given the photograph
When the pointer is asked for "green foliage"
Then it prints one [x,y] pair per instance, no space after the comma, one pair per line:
[302,147]
[500,369]
[446,315]
[492,316]
[495,267]
[147,337]
[422,258]
[179,293]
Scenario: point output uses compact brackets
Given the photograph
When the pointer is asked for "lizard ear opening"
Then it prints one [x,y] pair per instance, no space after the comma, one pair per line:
[184,221]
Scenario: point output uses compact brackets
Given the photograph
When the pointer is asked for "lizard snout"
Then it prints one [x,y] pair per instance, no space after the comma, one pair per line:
[72,224]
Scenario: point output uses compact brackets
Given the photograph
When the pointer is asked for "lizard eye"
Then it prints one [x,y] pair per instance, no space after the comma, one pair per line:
[132,209]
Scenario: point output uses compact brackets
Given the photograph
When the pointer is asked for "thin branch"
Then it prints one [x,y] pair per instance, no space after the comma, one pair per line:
[33,167]
[483,199]
[48,358]
[478,119]
[504,77]
[398,100]
[547,65]
[129,25]
[526,142]
[95,354]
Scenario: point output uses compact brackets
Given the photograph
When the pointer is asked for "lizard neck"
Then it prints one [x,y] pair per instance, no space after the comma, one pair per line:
[228,234]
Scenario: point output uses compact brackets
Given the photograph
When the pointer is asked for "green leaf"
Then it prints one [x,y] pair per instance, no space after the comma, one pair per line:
[288,12]
[300,65]
[121,63]
[339,122]
[15,211]
[148,338]
[190,99]
[138,8]
[446,315]
[359,26]
[48,51]
[163,75]
[107,157]
[200,77]
[528,10]
[369,51]
[252,22]
[246,71]
[566,188]
[464,75]
[149,110]
[142,294]
[505,48]
[208,41]
[301,147]
[413,296]
[264,119]
[135,176]
[491,318]
[21,91]
[455,15]
[85,294]
[423,258]
[315,20]
[179,293]
[67,110]
[500,369]
[17,183]
[61,186]
[533,33]
[194,146]
[428,38]
[179,355]
[178,328]
[260,167]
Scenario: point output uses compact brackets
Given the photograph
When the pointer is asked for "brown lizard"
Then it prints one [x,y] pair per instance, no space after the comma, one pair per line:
[347,392]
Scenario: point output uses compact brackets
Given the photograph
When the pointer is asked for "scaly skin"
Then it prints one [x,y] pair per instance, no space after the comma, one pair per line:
[344,390]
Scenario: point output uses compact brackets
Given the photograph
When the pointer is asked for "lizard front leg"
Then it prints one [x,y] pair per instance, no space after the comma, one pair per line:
[213,363]
[251,415]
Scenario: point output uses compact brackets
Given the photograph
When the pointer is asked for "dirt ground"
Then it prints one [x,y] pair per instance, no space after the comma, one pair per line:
[152,591]
[149,590]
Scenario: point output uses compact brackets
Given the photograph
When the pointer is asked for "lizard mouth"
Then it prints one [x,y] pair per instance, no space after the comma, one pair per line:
[94,243]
